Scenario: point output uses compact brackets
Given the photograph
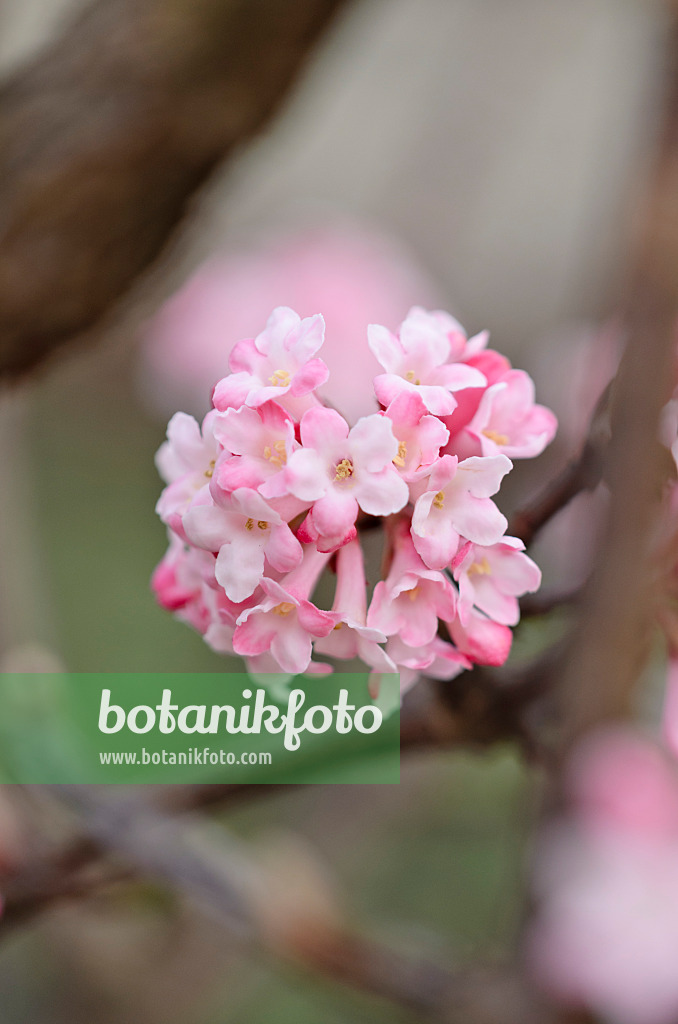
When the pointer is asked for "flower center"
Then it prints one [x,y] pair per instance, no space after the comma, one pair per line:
[412,377]
[495,436]
[280,379]
[343,470]
[262,524]
[413,594]
[401,456]
[284,608]
[210,470]
[439,499]
[277,455]
[482,568]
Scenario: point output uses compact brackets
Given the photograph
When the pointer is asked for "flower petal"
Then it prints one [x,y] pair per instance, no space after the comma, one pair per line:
[239,568]
[478,519]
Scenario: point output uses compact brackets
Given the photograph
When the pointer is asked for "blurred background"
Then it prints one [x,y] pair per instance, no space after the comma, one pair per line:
[475,155]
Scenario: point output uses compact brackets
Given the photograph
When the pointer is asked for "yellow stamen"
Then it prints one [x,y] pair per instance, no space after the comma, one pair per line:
[338,625]
[482,568]
[410,375]
[280,379]
[262,524]
[439,499]
[209,472]
[413,594]
[496,437]
[249,525]
[401,456]
[281,458]
[283,609]
[277,455]
[344,470]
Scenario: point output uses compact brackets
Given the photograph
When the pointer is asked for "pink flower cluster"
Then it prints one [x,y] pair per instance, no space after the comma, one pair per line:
[275,485]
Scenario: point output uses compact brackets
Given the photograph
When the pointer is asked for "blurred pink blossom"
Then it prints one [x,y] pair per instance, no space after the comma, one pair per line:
[606,931]
[354,275]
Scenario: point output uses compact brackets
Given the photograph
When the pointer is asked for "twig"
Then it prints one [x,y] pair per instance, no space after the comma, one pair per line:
[546,601]
[486,706]
[67,872]
[481,708]
[613,638]
[224,880]
[106,136]
[583,473]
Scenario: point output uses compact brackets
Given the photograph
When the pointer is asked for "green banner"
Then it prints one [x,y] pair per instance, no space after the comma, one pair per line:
[197,727]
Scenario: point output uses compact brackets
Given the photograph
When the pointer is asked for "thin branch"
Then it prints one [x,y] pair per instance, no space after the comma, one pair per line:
[583,473]
[546,601]
[107,135]
[483,707]
[614,635]
[77,869]
[224,880]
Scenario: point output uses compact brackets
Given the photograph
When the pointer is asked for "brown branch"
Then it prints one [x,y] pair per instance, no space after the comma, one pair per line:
[583,473]
[78,869]
[486,706]
[226,882]
[106,136]
[546,601]
[613,639]
[481,708]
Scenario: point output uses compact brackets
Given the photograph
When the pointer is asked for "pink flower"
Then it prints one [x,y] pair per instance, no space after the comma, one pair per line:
[270,451]
[180,582]
[351,637]
[417,361]
[278,362]
[223,616]
[437,659]
[171,583]
[607,934]
[508,420]
[493,578]
[481,639]
[186,462]
[260,441]
[606,931]
[285,622]
[244,530]
[457,504]
[493,366]
[419,435]
[620,780]
[412,598]
[340,471]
